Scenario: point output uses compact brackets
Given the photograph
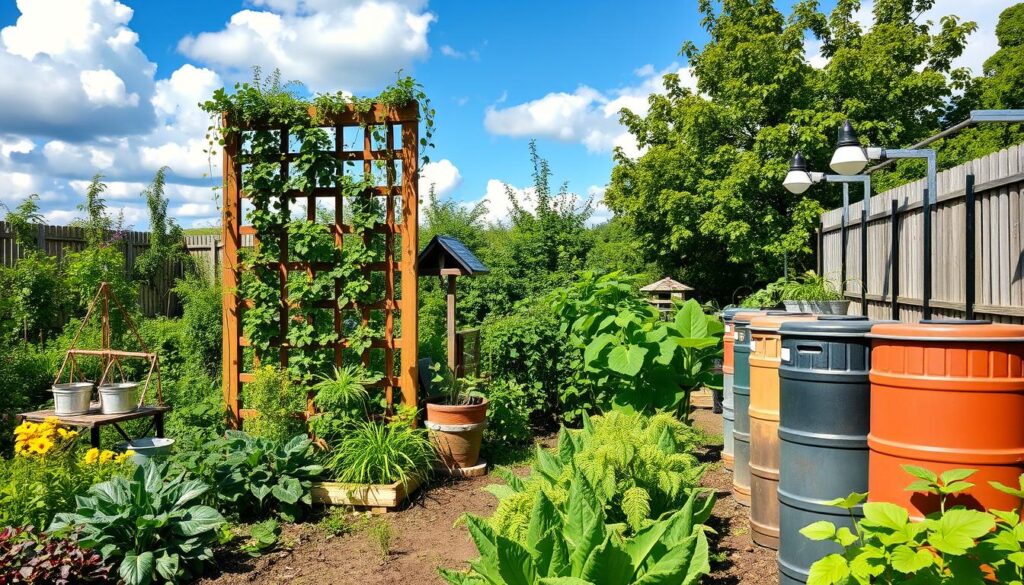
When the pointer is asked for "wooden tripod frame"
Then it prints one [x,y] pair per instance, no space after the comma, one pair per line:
[110,358]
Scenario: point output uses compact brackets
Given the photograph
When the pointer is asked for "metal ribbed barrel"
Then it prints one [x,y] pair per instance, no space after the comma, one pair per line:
[824,413]
[765,354]
[741,405]
[946,395]
[728,410]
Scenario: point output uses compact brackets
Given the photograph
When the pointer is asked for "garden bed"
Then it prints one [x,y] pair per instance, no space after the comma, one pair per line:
[427,534]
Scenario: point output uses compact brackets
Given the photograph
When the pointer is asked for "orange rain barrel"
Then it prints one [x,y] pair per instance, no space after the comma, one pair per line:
[765,357]
[946,395]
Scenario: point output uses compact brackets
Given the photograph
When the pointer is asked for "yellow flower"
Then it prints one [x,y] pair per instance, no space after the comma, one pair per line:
[66,434]
[106,456]
[40,445]
[120,459]
[92,455]
[25,428]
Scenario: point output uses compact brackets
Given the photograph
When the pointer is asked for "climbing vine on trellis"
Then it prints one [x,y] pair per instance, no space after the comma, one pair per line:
[302,272]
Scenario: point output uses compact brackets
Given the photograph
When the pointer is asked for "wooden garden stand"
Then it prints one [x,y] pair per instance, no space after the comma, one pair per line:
[111,363]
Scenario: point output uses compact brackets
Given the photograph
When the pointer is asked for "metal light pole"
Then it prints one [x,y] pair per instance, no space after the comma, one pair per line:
[799,179]
[850,158]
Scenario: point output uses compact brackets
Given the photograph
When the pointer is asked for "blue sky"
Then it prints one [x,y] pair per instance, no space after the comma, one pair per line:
[110,86]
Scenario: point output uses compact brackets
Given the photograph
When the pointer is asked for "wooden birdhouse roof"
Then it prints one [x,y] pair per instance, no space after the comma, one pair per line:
[666,285]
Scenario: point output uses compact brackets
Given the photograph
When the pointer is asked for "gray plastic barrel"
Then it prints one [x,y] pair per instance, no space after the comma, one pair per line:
[741,406]
[728,367]
[824,418]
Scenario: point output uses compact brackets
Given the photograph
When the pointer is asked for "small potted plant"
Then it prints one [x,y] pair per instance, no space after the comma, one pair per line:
[456,417]
[811,293]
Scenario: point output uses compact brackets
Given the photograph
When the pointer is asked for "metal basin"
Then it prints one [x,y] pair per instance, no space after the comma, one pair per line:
[72,398]
[119,398]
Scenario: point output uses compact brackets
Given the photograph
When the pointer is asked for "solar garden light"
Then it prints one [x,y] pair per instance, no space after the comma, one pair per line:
[850,158]
[799,179]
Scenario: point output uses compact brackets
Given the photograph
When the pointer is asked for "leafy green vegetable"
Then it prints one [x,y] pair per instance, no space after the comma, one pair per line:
[152,525]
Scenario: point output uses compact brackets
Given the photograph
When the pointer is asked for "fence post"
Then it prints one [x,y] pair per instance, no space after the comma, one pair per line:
[842,238]
[969,253]
[894,260]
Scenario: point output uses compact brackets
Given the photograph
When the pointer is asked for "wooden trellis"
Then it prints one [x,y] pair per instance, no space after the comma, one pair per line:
[397,124]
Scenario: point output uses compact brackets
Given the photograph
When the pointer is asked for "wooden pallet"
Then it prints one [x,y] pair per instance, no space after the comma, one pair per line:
[378,498]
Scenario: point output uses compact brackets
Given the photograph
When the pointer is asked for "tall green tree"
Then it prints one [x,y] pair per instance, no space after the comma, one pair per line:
[706,198]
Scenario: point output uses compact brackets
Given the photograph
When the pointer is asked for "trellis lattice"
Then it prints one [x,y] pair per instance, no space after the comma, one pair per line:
[396,273]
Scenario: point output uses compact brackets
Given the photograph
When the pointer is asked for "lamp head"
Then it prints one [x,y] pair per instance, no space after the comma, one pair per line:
[797,179]
[849,157]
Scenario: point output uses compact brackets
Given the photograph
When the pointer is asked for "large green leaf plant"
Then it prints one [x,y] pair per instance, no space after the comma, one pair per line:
[153,526]
[254,476]
[953,545]
[575,546]
[633,360]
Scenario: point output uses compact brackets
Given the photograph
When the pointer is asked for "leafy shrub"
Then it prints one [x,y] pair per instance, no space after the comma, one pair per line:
[26,374]
[373,452]
[278,403]
[527,347]
[201,321]
[632,360]
[151,525]
[574,545]
[199,412]
[34,296]
[85,270]
[952,545]
[640,468]
[29,556]
[769,296]
[508,418]
[254,476]
[35,488]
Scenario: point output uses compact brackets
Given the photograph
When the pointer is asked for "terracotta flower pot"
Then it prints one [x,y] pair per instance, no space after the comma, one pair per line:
[457,431]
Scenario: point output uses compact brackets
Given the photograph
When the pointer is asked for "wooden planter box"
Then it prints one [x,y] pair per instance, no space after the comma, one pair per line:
[376,497]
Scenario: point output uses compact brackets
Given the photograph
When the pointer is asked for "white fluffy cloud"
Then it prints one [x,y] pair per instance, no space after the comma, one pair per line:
[442,175]
[586,116]
[329,45]
[72,69]
[499,195]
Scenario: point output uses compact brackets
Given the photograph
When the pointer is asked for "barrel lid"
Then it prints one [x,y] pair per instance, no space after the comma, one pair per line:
[949,329]
[830,326]
[746,316]
[773,322]
[728,314]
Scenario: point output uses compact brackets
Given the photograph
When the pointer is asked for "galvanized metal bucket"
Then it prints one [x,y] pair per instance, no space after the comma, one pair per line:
[72,398]
[119,398]
[146,448]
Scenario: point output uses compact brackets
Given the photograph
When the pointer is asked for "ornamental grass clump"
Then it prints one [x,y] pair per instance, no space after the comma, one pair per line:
[378,453]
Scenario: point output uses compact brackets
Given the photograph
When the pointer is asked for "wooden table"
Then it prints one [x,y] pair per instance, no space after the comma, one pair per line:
[95,419]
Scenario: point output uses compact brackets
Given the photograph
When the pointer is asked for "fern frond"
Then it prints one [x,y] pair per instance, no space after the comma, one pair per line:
[636,506]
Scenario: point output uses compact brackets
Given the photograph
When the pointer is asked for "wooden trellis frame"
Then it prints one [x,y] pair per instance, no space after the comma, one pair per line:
[404,120]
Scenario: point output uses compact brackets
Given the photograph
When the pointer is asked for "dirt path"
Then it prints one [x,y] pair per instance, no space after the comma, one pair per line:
[736,560]
[425,536]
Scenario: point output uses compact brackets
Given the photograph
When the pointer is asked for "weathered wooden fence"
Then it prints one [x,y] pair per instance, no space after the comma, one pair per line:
[154,298]
[998,241]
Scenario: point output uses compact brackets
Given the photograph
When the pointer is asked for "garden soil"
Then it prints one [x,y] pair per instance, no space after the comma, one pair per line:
[427,534]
